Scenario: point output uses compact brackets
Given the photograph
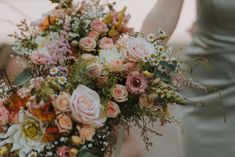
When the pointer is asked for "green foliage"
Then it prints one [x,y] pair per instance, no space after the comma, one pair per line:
[23,77]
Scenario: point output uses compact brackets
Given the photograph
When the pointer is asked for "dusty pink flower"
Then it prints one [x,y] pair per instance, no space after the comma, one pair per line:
[39,58]
[85,106]
[87,133]
[87,43]
[64,123]
[4,115]
[113,110]
[106,43]
[136,83]
[93,34]
[99,26]
[62,151]
[119,93]
[62,103]
[24,92]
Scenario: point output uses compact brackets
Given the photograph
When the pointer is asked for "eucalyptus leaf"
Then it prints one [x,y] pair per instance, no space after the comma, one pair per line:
[86,153]
[23,77]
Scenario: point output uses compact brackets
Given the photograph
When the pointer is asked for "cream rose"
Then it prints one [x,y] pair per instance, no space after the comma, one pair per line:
[61,103]
[93,34]
[94,69]
[86,107]
[4,115]
[119,93]
[99,26]
[87,44]
[113,109]
[138,48]
[116,65]
[146,101]
[87,133]
[64,123]
[106,43]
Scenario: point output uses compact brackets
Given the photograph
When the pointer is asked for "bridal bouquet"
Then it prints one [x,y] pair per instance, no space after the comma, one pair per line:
[86,73]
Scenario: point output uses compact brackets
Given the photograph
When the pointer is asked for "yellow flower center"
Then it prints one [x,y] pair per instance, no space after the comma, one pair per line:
[31,131]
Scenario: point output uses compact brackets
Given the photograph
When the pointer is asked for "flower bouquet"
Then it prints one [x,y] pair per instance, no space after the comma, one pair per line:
[86,72]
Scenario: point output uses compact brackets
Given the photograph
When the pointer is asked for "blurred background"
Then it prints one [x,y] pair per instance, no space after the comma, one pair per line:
[170,143]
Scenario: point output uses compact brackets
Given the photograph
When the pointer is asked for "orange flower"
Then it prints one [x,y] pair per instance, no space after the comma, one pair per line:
[51,134]
[48,21]
[45,113]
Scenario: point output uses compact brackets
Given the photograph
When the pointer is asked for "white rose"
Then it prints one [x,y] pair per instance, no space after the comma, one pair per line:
[138,48]
[86,107]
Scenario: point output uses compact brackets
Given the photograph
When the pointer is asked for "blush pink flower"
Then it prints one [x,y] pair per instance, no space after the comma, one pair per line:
[113,110]
[119,93]
[39,58]
[87,44]
[37,82]
[64,123]
[99,26]
[86,108]
[87,133]
[62,151]
[4,115]
[62,103]
[106,43]
[93,34]
[136,83]
[130,66]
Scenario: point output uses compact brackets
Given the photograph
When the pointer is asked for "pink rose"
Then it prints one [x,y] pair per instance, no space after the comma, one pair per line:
[4,115]
[24,92]
[106,43]
[94,69]
[93,34]
[86,107]
[119,93]
[87,133]
[113,110]
[64,123]
[138,48]
[63,151]
[87,44]
[62,103]
[99,26]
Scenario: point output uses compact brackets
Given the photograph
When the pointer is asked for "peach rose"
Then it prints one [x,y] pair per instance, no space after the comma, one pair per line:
[99,26]
[94,69]
[37,82]
[119,93]
[62,151]
[64,123]
[116,65]
[4,115]
[113,110]
[87,133]
[87,44]
[86,107]
[61,103]
[146,101]
[106,43]
[93,34]
[138,48]
[130,66]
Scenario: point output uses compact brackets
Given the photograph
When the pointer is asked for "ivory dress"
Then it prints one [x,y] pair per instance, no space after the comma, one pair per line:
[206,134]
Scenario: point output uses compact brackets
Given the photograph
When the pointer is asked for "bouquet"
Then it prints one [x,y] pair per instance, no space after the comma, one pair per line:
[86,74]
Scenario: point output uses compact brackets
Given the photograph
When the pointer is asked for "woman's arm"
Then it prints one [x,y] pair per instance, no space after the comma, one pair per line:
[164,15]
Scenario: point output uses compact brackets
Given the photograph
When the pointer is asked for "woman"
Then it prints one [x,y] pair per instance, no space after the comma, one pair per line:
[206,133]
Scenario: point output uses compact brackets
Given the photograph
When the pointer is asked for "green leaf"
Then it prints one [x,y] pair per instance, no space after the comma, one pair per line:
[23,77]
[169,66]
[86,153]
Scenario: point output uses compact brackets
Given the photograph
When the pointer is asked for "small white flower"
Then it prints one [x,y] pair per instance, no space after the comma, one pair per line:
[32,154]
[151,37]
[54,70]
[62,80]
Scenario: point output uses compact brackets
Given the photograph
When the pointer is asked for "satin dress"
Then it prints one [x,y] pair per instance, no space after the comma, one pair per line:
[209,131]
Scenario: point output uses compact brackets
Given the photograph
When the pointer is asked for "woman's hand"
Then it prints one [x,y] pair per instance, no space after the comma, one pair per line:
[164,15]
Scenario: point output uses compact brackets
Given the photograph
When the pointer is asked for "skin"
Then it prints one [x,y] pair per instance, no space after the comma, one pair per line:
[164,15]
